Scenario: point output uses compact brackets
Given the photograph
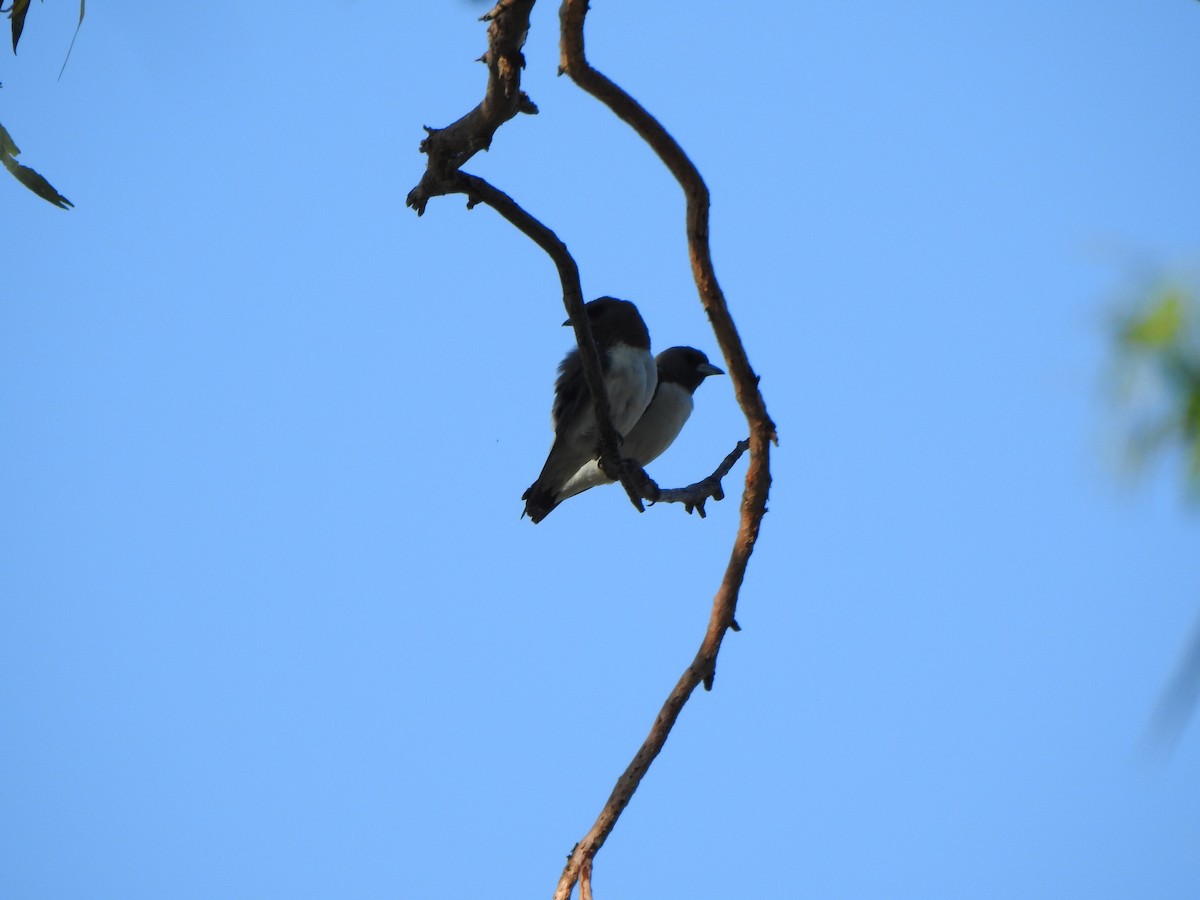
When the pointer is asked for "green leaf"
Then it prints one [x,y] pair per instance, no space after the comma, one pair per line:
[1157,327]
[26,175]
[7,146]
[17,14]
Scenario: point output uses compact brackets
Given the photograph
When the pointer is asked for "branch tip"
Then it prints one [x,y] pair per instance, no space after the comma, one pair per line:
[495,12]
[710,674]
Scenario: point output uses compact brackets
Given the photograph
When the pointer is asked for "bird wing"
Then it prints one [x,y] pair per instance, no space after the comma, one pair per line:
[570,391]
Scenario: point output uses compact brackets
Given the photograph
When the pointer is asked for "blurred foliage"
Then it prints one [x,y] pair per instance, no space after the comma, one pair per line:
[8,148]
[1159,348]
[1159,344]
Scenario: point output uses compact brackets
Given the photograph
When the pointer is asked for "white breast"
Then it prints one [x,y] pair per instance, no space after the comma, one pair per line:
[654,432]
[630,383]
[659,425]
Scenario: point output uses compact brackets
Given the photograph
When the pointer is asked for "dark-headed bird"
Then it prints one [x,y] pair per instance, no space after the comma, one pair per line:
[680,371]
[630,376]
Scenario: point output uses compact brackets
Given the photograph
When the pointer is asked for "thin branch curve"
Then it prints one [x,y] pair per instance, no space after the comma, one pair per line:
[448,149]
[573,63]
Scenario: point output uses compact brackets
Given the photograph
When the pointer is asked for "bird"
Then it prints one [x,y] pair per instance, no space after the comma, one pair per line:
[630,376]
[680,371]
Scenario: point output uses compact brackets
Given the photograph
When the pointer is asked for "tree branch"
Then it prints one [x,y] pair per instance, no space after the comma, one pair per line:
[574,63]
[480,191]
[448,149]
[694,495]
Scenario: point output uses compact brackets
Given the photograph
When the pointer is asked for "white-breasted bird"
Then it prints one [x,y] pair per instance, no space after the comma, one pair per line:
[680,371]
[630,377]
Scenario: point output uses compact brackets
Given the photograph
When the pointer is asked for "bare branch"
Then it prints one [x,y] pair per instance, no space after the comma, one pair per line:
[449,148]
[575,64]
[584,852]
[762,430]
[695,495]
[480,191]
[585,881]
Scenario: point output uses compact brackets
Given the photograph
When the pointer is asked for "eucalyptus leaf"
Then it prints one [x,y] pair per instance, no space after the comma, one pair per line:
[17,14]
[27,176]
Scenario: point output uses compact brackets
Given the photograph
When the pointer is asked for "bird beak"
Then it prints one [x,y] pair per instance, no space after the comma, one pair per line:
[566,323]
[709,369]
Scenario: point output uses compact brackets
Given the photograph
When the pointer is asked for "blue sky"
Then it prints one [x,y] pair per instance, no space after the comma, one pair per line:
[269,622]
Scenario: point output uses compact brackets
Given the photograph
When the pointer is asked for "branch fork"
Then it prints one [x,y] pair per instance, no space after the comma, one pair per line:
[448,149]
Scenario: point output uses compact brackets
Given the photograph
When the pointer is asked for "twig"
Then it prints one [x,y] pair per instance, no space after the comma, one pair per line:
[574,63]
[449,148]
[480,191]
[694,495]
[585,881]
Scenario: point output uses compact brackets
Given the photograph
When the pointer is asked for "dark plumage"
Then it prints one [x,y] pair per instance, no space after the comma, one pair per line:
[630,376]
[680,371]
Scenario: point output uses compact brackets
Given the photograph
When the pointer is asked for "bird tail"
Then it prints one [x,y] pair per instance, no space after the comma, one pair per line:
[566,456]
[539,501]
